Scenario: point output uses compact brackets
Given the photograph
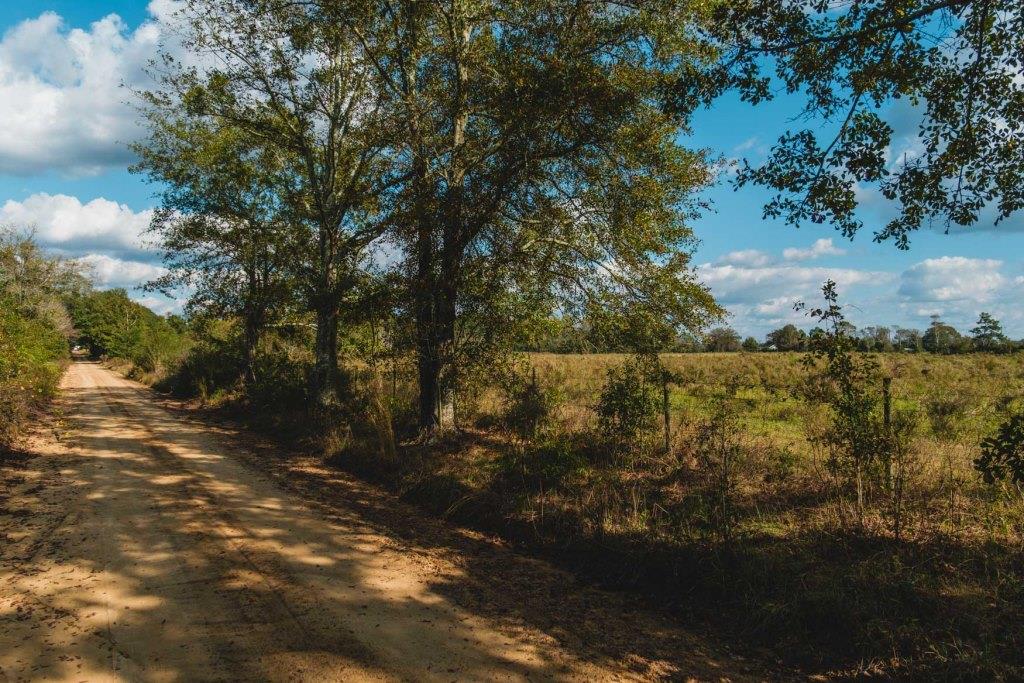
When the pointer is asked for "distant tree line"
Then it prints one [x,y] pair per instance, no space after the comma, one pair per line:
[108,324]
[48,306]
[987,336]
[34,327]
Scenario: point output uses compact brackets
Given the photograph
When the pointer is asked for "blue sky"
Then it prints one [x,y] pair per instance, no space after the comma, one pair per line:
[63,170]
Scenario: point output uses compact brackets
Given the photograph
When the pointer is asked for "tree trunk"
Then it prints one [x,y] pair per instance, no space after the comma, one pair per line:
[435,326]
[252,337]
[437,403]
[429,379]
[427,359]
[437,265]
[325,366]
[445,342]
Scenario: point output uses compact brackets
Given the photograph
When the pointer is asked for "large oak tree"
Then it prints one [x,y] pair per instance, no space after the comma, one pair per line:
[299,88]
[538,166]
[222,225]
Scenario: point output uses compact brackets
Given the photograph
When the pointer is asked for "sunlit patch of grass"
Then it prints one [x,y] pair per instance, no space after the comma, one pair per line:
[797,572]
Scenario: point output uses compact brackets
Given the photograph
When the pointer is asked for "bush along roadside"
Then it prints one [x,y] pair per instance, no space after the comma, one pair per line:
[32,357]
[35,328]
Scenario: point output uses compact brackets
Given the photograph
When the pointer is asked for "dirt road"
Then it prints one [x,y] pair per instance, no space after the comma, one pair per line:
[145,546]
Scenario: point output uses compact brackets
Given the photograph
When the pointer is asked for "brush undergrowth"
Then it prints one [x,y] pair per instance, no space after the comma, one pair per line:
[751,522]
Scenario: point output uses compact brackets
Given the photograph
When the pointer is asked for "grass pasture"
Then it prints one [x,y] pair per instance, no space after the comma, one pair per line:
[764,546]
[745,525]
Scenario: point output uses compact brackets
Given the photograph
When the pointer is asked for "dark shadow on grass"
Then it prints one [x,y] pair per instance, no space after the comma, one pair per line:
[841,601]
[821,602]
[154,517]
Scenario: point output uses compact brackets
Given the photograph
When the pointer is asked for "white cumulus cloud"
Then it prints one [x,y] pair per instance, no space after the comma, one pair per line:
[74,228]
[109,272]
[759,290]
[822,247]
[61,95]
[159,305]
[746,257]
[737,284]
[952,278]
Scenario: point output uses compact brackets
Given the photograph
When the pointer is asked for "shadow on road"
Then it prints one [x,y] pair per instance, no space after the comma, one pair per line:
[153,554]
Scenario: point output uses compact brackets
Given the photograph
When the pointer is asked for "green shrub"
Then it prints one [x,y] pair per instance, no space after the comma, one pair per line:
[529,405]
[31,356]
[719,455]
[210,365]
[1002,454]
[780,462]
[281,377]
[158,348]
[846,382]
[111,325]
[630,400]
[554,458]
[946,410]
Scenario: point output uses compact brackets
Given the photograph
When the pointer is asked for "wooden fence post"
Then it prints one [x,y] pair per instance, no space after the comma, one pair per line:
[887,423]
[665,411]
[535,395]
[887,402]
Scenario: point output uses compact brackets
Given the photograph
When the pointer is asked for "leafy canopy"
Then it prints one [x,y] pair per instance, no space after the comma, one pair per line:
[953,66]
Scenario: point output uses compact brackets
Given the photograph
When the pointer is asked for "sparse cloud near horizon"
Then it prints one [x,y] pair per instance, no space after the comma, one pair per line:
[110,272]
[72,228]
[760,289]
[108,238]
[822,247]
[953,278]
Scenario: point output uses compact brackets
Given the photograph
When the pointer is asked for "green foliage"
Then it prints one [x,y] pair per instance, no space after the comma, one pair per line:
[212,363]
[847,384]
[276,163]
[953,66]
[1002,454]
[543,205]
[529,405]
[722,339]
[31,355]
[212,368]
[901,462]
[111,325]
[875,339]
[750,345]
[222,226]
[787,338]
[34,327]
[630,400]
[988,334]
[942,338]
[719,453]
[281,374]
[558,334]
[946,411]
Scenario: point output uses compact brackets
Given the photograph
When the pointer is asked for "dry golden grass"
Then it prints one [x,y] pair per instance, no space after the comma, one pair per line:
[786,561]
[774,554]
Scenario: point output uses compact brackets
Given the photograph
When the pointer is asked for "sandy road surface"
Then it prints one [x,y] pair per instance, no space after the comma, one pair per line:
[143,547]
